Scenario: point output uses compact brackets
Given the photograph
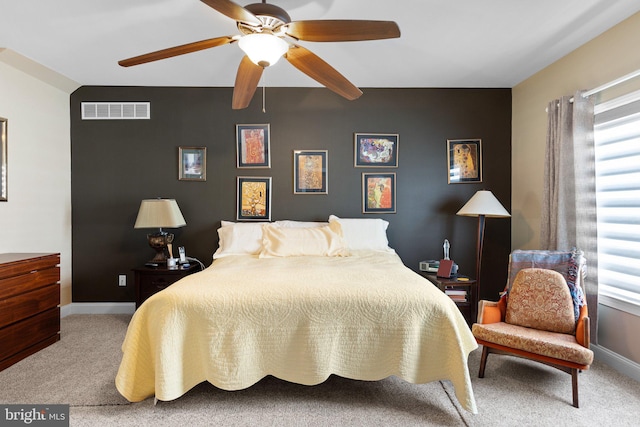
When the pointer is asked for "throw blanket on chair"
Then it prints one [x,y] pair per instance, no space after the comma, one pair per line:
[571,264]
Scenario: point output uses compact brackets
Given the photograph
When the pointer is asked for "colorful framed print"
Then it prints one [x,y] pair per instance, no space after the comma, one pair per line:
[376,150]
[253,146]
[192,163]
[464,158]
[378,192]
[310,172]
[254,198]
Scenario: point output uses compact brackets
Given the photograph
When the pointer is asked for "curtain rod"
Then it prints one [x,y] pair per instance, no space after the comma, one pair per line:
[606,86]
[612,84]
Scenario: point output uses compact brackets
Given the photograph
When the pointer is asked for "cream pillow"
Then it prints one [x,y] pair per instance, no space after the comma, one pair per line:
[308,241]
[364,233]
[286,223]
[239,238]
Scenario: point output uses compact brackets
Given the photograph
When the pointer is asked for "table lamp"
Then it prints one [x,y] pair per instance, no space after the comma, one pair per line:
[482,204]
[159,213]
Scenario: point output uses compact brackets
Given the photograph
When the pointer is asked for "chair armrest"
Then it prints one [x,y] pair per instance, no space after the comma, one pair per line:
[489,312]
[583,330]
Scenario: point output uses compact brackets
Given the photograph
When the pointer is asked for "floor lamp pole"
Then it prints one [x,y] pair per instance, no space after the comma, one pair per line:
[479,247]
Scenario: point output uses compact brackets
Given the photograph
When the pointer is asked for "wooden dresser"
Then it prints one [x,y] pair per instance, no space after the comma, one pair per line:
[29,304]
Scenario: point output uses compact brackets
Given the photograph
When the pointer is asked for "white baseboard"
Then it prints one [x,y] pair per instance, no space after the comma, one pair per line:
[97,308]
[619,363]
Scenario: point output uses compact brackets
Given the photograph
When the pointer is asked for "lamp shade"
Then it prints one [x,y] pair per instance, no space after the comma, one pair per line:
[484,203]
[263,49]
[158,213]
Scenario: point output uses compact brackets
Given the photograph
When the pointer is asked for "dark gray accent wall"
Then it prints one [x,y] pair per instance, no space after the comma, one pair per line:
[117,163]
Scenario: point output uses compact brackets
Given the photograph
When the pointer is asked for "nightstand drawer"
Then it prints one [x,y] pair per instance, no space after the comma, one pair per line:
[150,281]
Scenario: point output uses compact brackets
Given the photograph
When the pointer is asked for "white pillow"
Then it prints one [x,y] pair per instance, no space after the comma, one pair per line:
[280,241]
[239,238]
[364,233]
[300,224]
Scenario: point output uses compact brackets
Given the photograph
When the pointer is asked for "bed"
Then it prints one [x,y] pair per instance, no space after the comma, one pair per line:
[301,302]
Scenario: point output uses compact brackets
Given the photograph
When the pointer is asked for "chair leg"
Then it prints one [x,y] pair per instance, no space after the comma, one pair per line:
[574,386]
[483,361]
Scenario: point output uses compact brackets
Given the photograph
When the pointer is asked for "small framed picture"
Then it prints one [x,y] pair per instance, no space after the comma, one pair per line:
[192,163]
[254,198]
[376,150]
[3,159]
[465,160]
[378,192]
[252,144]
[310,171]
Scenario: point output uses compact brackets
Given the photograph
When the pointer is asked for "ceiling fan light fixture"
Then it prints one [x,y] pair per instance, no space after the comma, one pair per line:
[263,49]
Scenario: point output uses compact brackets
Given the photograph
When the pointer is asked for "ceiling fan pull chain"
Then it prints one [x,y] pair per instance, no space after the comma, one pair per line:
[263,94]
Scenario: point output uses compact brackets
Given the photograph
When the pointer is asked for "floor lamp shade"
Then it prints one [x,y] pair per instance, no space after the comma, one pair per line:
[482,204]
[159,213]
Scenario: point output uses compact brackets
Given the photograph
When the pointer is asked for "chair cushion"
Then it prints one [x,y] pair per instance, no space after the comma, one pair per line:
[545,343]
[540,299]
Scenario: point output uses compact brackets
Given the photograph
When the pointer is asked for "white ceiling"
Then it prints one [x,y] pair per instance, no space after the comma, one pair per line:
[444,43]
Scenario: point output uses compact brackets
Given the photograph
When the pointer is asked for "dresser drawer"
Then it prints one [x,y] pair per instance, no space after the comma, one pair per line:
[28,281]
[19,337]
[29,303]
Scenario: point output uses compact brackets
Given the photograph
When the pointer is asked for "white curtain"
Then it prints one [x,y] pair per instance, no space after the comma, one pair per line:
[569,196]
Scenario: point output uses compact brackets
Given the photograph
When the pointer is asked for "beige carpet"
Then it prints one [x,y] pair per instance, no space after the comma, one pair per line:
[80,370]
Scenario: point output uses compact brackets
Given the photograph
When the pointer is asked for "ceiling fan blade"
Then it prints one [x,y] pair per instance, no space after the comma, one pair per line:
[316,68]
[247,81]
[175,51]
[342,30]
[233,11]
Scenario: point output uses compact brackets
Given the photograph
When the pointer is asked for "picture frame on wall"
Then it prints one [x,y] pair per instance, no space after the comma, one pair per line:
[464,158]
[192,163]
[376,150]
[254,198]
[310,172]
[253,146]
[379,193]
[3,159]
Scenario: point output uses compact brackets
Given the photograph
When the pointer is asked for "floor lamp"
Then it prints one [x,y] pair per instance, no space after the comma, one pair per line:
[482,204]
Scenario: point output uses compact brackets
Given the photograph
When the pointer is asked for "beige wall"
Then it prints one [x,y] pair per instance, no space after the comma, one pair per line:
[37,215]
[611,55]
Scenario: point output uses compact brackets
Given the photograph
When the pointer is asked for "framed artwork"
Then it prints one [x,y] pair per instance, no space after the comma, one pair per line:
[192,163]
[378,192]
[252,145]
[376,150]
[254,198]
[310,171]
[464,157]
[3,159]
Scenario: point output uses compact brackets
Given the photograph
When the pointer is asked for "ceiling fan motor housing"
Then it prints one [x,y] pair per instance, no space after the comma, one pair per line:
[271,16]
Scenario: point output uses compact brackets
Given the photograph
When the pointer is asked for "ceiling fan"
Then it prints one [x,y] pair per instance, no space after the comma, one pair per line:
[268,34]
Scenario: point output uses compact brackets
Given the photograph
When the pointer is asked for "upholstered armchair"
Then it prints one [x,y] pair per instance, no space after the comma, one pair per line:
[537,319]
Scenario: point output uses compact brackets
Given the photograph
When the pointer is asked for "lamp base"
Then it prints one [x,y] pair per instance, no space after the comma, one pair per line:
[159,242]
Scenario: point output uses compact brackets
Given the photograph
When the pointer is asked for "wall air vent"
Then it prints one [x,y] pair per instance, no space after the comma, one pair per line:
[116,110]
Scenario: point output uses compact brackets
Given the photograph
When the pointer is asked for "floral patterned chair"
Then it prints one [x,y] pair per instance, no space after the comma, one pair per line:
[539,319]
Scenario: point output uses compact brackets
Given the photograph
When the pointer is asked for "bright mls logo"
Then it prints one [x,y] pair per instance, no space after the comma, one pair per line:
[36,415]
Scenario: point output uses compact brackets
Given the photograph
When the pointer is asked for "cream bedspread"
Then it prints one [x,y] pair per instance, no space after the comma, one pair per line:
[299,319]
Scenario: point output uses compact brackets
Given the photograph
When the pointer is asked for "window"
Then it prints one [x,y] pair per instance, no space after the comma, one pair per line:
[617,152]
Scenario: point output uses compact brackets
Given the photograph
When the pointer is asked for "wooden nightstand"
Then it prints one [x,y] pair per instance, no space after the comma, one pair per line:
[467,303]
[150,280]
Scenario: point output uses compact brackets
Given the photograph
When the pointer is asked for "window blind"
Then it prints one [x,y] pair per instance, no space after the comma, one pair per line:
[617,152]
